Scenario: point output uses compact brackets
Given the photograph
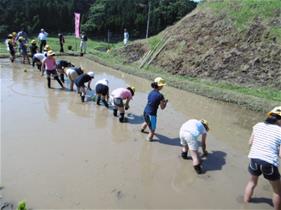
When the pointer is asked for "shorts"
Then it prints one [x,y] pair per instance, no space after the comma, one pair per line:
[257,167]
[118,102]
[187,139]
[102,89]
[151,121]
[52,72]
[72,75]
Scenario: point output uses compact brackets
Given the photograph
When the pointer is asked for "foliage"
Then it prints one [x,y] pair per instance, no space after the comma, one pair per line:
[115,15]
[97,16]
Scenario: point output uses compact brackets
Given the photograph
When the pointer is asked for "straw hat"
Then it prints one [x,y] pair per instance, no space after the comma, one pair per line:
[50,53]
[160,81]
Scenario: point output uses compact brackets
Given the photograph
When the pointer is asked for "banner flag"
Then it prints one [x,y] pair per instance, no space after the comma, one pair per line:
[77,25]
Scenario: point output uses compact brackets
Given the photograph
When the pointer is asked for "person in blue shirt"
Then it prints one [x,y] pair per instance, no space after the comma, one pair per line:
[154,100]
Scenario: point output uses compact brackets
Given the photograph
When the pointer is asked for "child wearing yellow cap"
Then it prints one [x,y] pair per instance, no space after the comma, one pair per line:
[10,47]
[154,100]
[33,48]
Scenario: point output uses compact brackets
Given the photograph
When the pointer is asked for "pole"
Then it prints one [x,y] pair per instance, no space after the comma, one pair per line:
[148,20]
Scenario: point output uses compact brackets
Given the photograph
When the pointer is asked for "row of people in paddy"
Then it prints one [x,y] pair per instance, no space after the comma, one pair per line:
[265,140]
[120,99]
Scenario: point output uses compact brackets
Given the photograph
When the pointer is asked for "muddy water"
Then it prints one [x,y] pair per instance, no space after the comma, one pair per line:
[59,153]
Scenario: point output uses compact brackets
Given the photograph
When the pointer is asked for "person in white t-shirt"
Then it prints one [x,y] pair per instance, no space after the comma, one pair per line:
[38,60]
[72,73]
[126,37]
[264,156]
[43,39]
[189,134]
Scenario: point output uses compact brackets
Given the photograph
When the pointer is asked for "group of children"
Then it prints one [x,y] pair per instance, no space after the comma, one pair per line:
[265,140]
[14,41]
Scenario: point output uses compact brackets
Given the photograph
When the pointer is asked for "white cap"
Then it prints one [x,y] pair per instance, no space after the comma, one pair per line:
[91,74]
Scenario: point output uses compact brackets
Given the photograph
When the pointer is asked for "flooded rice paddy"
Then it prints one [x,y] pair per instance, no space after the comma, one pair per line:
[59,153]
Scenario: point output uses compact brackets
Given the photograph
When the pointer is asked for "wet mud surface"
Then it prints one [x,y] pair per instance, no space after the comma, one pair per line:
[59,153]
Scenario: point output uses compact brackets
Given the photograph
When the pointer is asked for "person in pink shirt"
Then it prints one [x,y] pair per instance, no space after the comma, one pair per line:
[117,97]
[49,65]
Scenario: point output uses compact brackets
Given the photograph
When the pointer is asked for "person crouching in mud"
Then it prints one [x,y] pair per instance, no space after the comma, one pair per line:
[61,64]
[264,155]
[49,65]
[117,97]
[189,133]
[38,59]
[154,100]
[72,73]
[80,83]
[102,91]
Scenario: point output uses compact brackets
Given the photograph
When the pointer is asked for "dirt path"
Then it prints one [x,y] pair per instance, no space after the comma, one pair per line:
[59,153]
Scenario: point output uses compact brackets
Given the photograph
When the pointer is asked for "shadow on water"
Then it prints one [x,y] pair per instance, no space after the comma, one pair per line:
[262,200]
[168,141]
[135,119]
[214,161]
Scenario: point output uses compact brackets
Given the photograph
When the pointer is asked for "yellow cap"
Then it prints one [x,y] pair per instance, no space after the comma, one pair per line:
[14,33]
[160,81]
[10,36]
[21,38]
[47,48]
[33,42]
[133,89]
[206,124]
[275,110]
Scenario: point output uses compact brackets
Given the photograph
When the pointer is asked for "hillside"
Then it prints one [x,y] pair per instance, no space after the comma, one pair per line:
[238,42]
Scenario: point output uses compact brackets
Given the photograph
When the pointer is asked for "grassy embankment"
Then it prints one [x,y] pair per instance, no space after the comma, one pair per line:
[256,98]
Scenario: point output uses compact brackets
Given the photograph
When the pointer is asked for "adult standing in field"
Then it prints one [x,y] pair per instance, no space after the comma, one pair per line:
[154,100]
[49,65]
[126,37]
[42,38]
[61,41]
[264,156]
[189,134]
[83,44]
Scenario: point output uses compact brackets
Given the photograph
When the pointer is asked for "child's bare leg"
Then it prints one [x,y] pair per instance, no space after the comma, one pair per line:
[143,127]
[71,85]
[276,198]
[196,161]
[249,190]
[150,135]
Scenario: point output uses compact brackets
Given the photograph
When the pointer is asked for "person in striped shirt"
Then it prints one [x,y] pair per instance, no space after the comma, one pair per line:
[264,156]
